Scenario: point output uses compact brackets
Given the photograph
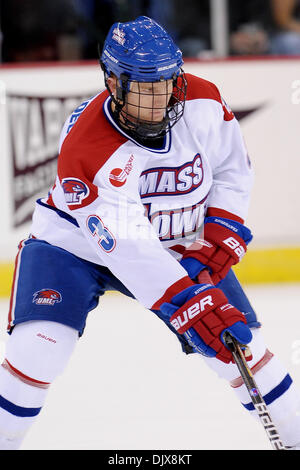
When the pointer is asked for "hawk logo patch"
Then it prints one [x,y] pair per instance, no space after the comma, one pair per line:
[75,190]
[46,297]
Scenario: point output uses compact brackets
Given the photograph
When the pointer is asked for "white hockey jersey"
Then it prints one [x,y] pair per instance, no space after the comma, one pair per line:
[135,209]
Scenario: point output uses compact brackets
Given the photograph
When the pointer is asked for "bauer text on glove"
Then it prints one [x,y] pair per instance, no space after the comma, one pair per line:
[202,314]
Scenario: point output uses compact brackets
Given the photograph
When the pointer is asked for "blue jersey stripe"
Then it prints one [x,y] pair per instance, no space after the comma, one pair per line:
[59,212]
[273,394]
[18,410]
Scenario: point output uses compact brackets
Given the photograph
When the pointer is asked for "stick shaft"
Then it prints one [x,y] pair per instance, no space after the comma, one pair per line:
[248,379]
[254,393]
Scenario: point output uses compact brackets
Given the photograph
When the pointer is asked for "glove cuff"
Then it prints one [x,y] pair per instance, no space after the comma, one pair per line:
[193,266]
[239,229]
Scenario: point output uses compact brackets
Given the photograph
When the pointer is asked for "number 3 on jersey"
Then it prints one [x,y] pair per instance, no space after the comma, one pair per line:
[105,239]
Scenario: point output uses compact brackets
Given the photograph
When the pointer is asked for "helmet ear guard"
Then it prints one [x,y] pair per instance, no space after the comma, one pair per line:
[121,91]
[124,88]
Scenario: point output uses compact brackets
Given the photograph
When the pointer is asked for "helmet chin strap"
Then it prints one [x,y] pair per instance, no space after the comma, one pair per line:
[149,131]
[143,129]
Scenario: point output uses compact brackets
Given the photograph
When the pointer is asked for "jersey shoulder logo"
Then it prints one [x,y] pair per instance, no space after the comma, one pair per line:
[46,297]
[118,176]
[75,190]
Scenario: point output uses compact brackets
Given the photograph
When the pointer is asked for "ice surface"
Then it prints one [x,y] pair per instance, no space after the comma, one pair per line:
[129,386]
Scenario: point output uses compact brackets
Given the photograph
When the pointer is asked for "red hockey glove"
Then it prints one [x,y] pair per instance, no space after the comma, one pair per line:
[224,245]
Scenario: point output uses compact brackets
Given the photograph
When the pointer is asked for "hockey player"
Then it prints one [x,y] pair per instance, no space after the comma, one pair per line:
[152,188]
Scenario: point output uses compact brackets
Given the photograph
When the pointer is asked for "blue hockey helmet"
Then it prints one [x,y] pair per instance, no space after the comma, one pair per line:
[142,50]
[137,52]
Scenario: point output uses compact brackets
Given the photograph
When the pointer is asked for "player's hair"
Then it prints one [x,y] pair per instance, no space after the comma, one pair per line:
[142,51]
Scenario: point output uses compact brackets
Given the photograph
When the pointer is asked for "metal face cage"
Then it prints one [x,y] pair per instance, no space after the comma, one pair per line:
[149,109]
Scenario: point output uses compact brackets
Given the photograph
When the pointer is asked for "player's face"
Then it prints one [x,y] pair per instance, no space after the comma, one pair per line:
[147,101]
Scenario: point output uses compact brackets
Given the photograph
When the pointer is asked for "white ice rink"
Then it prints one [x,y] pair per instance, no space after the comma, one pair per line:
[129,386]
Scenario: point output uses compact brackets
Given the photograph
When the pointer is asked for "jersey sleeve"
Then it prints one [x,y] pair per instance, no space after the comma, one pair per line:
[232,172]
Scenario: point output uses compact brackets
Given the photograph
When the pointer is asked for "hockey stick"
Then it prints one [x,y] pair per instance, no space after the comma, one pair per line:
[248,379]
[254,393]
